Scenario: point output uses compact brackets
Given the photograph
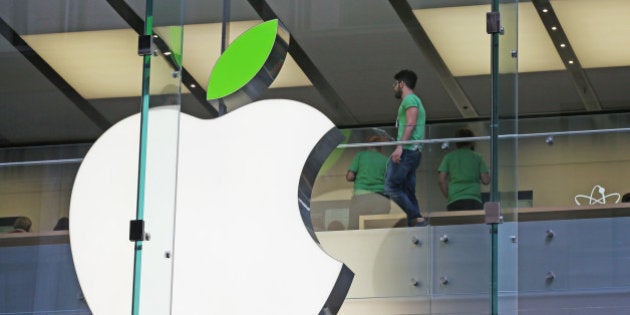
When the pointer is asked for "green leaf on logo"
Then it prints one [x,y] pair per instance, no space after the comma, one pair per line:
[242,60]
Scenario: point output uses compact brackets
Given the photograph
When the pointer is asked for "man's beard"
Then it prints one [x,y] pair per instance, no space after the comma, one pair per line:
[398,94]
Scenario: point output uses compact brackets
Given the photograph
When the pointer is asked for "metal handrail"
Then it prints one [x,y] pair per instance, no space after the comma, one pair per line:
[41,162]
[485,138]
[371,144]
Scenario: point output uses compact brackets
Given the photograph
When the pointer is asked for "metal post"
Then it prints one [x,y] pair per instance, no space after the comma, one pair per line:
[494,172]
[144,121]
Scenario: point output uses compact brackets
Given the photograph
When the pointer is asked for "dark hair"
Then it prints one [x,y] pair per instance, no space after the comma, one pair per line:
[407,76]
[625,198]
[22,223]
[62,224]
[377,138]
[464,133]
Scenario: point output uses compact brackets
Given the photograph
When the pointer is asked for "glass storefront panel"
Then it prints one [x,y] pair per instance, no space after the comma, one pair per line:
[583,159]
[35,258]
[558,159]
[505,188]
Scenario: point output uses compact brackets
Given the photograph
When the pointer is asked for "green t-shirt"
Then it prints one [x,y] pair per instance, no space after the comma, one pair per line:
[411,100]
[464,168]
[369,168]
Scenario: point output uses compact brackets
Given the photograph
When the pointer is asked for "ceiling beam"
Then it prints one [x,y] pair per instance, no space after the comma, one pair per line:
[308,66]
[57,80]
[137,24]
[568,56]
[422,40]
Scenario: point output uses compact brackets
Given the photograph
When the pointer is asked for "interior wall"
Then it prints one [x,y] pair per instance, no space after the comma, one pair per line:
[574,165]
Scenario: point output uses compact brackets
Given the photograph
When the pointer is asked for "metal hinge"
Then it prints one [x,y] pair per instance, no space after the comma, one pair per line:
[493,23]
[493,212]
[136,230]
[145,45]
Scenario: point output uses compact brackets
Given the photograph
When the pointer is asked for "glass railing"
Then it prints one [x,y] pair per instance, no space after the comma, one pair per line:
[424,268]
[449,261]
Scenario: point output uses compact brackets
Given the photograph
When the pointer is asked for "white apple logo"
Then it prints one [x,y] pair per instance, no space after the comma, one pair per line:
[239,244]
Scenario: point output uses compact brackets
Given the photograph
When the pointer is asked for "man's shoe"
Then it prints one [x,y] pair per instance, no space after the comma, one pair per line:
[424,222]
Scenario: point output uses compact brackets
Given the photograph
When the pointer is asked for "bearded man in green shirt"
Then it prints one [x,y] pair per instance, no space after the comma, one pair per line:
[400,181]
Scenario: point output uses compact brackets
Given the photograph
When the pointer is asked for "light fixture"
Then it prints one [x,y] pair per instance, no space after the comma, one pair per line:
[570,61]
[608,17]
[553,28]
[462,44]
[192,86]
[563,45]
[167,53]
[545,10]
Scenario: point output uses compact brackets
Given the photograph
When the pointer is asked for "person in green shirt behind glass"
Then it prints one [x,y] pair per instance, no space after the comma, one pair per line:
[461,174]
[367,171]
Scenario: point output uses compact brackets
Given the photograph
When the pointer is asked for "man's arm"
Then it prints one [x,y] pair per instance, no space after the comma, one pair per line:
[485,178]
[350,176]
[411,117]
[443,181]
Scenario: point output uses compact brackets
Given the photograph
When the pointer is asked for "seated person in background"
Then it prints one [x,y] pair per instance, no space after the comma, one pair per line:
[461,174]
[335,226]
[22,225]
[367,171]
[62,224]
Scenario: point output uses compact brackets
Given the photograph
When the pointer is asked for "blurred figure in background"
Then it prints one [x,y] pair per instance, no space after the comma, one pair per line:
[367,171]
[62,224]
[461,174]
[22,225]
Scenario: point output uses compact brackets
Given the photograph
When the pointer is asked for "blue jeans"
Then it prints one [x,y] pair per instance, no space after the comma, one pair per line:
[400,184]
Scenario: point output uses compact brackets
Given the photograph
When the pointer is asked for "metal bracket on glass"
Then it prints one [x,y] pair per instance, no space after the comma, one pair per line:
[136,230]
[145,45]
[416,241]
[493,23]
[443,280]
[550,234]
[493,212]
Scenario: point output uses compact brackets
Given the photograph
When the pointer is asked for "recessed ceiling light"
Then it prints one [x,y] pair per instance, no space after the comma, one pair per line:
[563,45]
[192,86]
[553,28]
[545,10]
[570,61]
[167,53]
